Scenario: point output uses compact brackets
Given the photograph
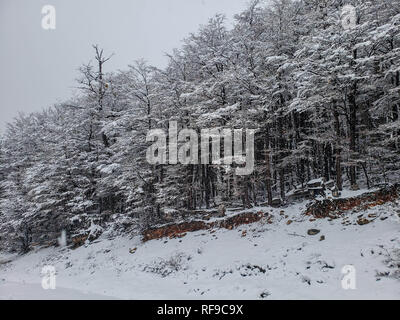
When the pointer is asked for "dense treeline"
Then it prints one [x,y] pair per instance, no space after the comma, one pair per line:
[324,99]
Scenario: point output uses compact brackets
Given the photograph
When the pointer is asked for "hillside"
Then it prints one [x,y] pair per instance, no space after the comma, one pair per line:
[274,258]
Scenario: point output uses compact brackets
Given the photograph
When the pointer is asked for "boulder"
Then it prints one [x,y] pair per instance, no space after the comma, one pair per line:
[276,202]
[313,232]
[363,221]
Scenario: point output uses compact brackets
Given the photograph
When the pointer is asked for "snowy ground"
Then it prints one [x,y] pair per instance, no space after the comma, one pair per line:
[272,261]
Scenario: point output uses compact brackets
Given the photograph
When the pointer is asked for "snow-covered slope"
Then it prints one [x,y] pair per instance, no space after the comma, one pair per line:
[257,261]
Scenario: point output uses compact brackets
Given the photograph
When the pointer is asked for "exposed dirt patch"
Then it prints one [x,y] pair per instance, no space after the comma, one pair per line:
[181,229]
[335,207]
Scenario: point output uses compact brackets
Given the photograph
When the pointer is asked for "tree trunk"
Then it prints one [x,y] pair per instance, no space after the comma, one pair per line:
[268,178]
[353,134]
[339,182]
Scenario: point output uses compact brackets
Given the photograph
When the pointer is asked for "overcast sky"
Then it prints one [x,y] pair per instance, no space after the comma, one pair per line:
[38,67]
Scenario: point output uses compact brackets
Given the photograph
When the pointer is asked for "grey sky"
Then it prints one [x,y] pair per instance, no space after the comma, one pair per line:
[39,67]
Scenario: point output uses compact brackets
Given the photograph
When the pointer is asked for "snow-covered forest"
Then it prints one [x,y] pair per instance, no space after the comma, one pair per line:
[323,97]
